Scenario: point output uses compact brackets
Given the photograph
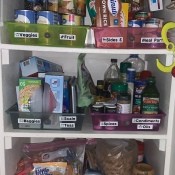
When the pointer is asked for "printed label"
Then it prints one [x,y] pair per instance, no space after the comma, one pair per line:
[67,125]
[149,127]
[29,123]
[145,120]
[67,37]
[109,123]
[68,118]
[113,7]
[112,39]
[33,121]
[151,40]
[26,35]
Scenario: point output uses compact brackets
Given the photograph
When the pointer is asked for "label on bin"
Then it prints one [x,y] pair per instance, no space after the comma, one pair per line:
[151,40]
[67,37]
[26,35]
[146,120]
[112,39]
[67,125]
[68,118]
[109,123]
[29,123]
[145,127]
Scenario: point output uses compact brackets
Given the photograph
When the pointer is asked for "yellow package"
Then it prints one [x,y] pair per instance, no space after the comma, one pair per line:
[124,15]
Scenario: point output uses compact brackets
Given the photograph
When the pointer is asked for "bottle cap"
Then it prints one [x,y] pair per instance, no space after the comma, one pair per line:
[119,87]
[113,60]
[124,96]
[145,74]
[124,66]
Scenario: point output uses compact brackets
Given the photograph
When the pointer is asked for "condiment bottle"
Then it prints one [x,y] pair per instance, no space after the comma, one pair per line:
[123,70]
[150,98]
[112,74]
[99,92]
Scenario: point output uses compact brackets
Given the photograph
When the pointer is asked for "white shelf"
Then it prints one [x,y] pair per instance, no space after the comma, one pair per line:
[84,50]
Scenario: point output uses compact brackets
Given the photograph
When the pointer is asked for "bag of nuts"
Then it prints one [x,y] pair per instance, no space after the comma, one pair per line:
[116,157]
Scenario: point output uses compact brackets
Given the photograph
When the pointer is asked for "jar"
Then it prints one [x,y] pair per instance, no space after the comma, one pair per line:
[124,103]
[117,88]
[110,108]
[143,169]
[98,108]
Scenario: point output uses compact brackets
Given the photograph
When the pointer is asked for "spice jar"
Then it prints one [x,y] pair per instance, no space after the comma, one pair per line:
[124,103]
[143,169]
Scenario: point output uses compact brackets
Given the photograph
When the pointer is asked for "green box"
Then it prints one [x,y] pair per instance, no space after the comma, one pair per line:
[47,35]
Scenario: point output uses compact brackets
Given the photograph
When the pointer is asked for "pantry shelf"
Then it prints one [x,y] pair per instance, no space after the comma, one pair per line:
[89,49]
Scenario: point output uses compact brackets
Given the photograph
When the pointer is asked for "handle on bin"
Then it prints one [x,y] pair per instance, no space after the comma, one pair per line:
[169,45]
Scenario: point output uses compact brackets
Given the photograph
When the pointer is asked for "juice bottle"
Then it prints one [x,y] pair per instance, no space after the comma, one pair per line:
[150,98]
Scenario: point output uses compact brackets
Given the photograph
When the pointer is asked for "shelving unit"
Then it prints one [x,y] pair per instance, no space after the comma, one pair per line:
[159,145]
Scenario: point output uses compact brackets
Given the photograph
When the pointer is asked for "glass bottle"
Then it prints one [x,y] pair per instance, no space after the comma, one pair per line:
[137,63]
[99,92]
[112,74]
[150,97]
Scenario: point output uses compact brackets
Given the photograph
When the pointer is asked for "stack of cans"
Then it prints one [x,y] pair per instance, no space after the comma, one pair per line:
[52,12]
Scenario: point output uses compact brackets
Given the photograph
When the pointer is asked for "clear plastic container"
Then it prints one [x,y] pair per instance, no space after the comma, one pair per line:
[137,63]
[112,74]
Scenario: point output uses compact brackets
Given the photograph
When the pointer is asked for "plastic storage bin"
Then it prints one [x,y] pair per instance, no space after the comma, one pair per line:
[127,122]
[47,35]
[45,121]
[123,38]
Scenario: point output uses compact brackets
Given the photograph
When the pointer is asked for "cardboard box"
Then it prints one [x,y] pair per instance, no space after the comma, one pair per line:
[53,94]
[30,95]
[33,65]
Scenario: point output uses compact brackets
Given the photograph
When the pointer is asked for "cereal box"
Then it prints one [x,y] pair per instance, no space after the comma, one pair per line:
[30,95]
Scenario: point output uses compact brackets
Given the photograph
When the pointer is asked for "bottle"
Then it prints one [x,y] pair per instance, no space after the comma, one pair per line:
[137,63]
[99,92]
[150,98]
[112,74]
[123,70]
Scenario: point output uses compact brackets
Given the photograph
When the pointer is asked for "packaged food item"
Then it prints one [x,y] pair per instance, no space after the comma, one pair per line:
[108,13]
[63,157]
[86,87]
[33,65]
[53,94]
[30,95]
[116,156]
[143,168]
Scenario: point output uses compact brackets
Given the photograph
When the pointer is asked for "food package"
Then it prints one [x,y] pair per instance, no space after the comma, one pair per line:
[86,87]
[116,157]
[62,157]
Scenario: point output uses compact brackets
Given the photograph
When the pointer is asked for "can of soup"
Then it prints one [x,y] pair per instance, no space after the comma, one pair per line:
[25,16]
[53,5]
[135,23]
[71,19]
[48,17]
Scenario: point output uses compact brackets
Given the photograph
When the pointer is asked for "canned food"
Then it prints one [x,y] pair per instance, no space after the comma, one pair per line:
[71,19]
[143,15]
[77,7]
[48,17]
[25,16]
[154,22]
[136,23]
[53,5]
[36,5]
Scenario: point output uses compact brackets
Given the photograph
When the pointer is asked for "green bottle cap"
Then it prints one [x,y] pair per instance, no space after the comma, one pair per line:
[124,66]
[119,87]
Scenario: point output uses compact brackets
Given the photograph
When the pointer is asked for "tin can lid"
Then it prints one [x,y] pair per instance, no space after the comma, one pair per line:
[97,105]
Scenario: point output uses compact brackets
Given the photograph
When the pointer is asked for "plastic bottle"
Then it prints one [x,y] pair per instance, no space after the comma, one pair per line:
[137,63]
[150,98]
[123,70]
[112,74]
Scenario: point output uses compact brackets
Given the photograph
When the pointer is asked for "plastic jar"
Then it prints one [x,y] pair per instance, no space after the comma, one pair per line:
[117,88]
[143,169]
[124,103]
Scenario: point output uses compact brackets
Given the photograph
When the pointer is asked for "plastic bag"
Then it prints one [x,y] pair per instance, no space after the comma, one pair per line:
[86,87]
[116,157]
[50,157]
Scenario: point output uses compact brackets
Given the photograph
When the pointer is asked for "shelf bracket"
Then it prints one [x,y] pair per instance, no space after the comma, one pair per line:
[161,144]
[8,142]
[5,56]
